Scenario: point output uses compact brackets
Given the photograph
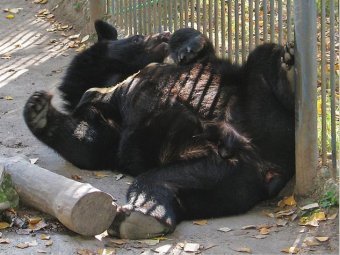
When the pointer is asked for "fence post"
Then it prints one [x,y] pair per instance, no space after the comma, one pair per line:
[97,11]
[306,149]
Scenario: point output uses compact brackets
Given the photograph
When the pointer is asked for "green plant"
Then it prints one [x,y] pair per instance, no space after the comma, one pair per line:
[329,199]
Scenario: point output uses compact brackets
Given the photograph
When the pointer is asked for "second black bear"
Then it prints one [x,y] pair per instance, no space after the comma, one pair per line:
[164,125]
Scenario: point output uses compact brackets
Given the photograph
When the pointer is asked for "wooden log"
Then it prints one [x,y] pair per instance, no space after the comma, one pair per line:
[79,206]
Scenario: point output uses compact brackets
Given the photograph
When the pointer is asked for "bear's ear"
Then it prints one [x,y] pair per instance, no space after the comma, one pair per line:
[105,31]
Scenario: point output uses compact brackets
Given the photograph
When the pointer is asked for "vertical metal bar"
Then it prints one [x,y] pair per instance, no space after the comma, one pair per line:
[257,28]
[204,17]
[198,14]
[148,2]
[154,8]
[126,20]
[243,21]
[306,147]
[165,16]
[289,21]
[217,45]
[175,15]
[192,14]
[265,21]
[272,21]
[117,13]
[279,16]
[223,37]
[146,20]
[332,86]
[180,13]
[230,30]
[135,16]
[130,17]
[237,31]
[210,20]
[186,13]
[170,16]
[160,14]
[250,10]
[323,85]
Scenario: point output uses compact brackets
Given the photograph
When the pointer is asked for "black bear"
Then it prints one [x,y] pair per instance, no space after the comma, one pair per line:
[204,138]
[110,61]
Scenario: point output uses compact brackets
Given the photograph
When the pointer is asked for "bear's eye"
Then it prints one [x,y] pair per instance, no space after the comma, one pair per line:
[137,39]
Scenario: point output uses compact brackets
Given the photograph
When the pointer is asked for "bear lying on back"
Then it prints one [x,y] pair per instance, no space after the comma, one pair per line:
[204,137]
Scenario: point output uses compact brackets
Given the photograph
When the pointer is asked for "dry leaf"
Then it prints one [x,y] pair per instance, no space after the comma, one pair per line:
[242,249]
[119,241]
[292,250]
[41,251]
[281,222]
[41,224]
[40,1]
[163,249]
[289,201]
[100,175]
[5,240]
[85,38]
[4,225]
[106,251]
[311,241]
[322,238]
[76,177]
[319,216]
[34,220]
[33,160]
[8,98]
[200,222]
[284,213]
[191,247]
[45,237]
[13,10]
[9,16]
[249,227]
[32,244]
[225,229]
[310,206]
[48,243]
[271,215]
[73,37]
[264,231]
[332,217]
[22,245]
[85,252]
[119,176]
[149,241]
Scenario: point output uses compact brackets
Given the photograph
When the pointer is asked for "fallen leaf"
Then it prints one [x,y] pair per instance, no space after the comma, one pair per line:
[311,241]
[41,224]
[40,1]
[4,225]
[200,222]
[332,217]
[322,238]
[106,251]
[292,250]
[119,241]
[284,213]
[149,241]
[310,206]
[34,220]
[41,251]
[25,231]
[8,98]
[45,237]
[242,249]
[48,243]
[22,245]
[271,215]
[249,227]
[32,243]
[33,160]
[319,216]
[73,37]
[264,231]
[13,10]
[76,177]
[281,222]
[289,201]
[191,247]
[9,16]
[99,175]
[85,38]
[225,229]
[119,176]
[85,252]
[163,249]
[5,241]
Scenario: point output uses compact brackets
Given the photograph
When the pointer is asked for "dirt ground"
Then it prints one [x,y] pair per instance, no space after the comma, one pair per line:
[34,57]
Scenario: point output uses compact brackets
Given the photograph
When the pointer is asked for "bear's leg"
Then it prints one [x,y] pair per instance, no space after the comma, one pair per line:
[198,188]
[84,138]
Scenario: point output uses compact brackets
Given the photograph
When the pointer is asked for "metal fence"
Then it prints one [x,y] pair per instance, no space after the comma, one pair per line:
[237,26]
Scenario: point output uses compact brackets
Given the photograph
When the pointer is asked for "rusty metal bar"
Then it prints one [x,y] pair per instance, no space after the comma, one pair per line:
[198,14]
[332,86]
[175,15]
[237,31]
[204,17]
[181,13]
[186,13]
[306,147]
[223,53]
[192,14]
[279,16]
[210,20]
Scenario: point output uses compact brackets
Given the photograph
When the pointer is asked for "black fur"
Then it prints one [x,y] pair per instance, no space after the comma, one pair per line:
[204,139]
[110,61]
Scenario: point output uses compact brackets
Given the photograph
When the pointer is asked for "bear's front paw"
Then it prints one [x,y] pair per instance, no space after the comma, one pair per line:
[36,110]
[133,224]
[287,59]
